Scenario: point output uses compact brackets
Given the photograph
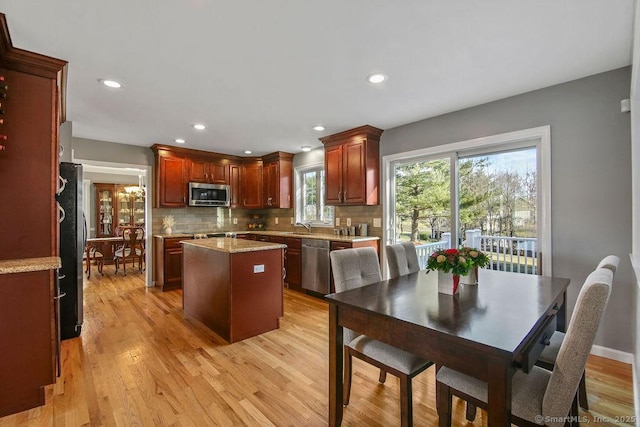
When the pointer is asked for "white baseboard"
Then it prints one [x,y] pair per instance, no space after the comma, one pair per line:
[610,353]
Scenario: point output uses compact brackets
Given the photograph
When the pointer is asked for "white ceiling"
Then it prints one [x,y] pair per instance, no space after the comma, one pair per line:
[260,74]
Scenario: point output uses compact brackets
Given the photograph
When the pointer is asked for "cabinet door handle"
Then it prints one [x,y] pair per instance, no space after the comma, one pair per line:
[284,273]
[344,197]
[339,198]
[64,294]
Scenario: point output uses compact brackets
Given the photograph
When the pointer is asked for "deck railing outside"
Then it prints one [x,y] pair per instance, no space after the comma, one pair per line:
[516,254]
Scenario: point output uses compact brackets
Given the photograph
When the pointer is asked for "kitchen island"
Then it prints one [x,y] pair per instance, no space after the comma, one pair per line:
[233,286]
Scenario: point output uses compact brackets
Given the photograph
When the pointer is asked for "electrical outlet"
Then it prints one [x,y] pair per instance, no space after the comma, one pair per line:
[348,222]
[276,220]
[258,268]
[291,220]
[377,222]
[235,221]
[337,222]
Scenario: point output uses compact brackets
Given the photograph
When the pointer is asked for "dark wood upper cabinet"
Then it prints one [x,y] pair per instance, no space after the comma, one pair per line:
[277,173]
[251,184]
[352,166]
[171,180]
[203,170]
[234,183]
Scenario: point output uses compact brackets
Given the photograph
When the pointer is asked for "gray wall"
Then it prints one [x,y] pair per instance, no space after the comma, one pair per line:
[591,176]
[89,149]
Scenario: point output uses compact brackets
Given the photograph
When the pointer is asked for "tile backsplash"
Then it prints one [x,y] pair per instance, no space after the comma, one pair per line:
[201,220]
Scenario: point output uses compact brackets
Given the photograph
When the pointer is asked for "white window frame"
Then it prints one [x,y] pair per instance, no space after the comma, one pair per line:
[298,172]
[542,137]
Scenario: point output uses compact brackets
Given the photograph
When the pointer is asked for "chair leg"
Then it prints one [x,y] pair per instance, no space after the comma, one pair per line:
[406,402]
[575,412]
[346,382]
[443,404]
[383,376]
[582,392]
[470,413]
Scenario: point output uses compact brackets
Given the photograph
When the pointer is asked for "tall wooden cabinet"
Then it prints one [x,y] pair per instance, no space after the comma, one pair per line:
[352,167]
[29,126]
[277,180]
[251,184]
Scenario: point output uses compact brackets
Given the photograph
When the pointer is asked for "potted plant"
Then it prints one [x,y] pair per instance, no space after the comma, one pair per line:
[451,264]
[476,259]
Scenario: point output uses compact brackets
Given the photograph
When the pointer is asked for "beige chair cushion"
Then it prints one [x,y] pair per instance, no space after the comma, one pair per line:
[391,356]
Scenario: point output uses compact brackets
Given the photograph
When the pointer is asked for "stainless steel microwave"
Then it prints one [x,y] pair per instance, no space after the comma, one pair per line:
[209,194]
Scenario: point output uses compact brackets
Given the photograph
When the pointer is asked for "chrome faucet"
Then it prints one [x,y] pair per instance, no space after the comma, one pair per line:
[306,225]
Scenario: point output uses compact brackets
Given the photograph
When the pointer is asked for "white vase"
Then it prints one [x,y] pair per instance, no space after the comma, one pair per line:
[168,230]
[471,278]
[448,283]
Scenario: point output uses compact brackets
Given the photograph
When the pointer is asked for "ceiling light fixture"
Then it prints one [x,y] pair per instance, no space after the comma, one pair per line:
[179,141]
[247,151]
[376,78]
[318,128]
[111,83]
[306,148]
[199,126]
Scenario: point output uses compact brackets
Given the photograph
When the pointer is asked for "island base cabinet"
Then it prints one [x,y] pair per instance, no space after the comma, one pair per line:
[236,295]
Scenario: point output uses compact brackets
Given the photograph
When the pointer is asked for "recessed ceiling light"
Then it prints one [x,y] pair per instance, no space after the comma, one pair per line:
[247,151]
[318,128]
[179,141]
[199,126]
[111,83]
[306,148]
[376,78]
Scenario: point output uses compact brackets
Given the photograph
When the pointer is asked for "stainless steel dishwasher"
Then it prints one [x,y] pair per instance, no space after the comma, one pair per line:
[315,265]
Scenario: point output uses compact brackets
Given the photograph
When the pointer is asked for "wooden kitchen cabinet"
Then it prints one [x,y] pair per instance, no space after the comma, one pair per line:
[251,184]
[33,107]
[293,263]
[352,167]
[167,272]
[171,179]
[206,171]
[234,184]
[277,173]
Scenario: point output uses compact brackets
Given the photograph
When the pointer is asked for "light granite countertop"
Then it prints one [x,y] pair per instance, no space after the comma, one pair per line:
[293,234]
[230,245]
[25,265]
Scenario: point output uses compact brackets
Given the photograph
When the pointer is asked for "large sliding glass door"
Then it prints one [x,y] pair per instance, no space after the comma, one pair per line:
[487,197]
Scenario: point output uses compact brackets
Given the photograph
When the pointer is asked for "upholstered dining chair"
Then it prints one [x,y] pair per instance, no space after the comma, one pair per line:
[94,255]
[402,259]
[354,268]
[132,248]
[548,356]
[541,397]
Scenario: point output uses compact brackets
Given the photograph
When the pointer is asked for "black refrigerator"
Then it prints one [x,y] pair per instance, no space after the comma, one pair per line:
[73,237]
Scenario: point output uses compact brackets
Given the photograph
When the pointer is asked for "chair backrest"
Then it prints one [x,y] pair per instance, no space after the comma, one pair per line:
[610,262]
[576,345]
[354,268]
[402,259]
[133,237]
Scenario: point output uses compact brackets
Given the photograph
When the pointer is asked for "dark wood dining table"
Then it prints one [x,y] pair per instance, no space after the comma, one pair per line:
[487,331]
[98,243]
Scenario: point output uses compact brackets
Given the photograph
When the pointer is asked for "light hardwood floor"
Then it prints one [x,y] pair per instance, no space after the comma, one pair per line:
[140,362]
